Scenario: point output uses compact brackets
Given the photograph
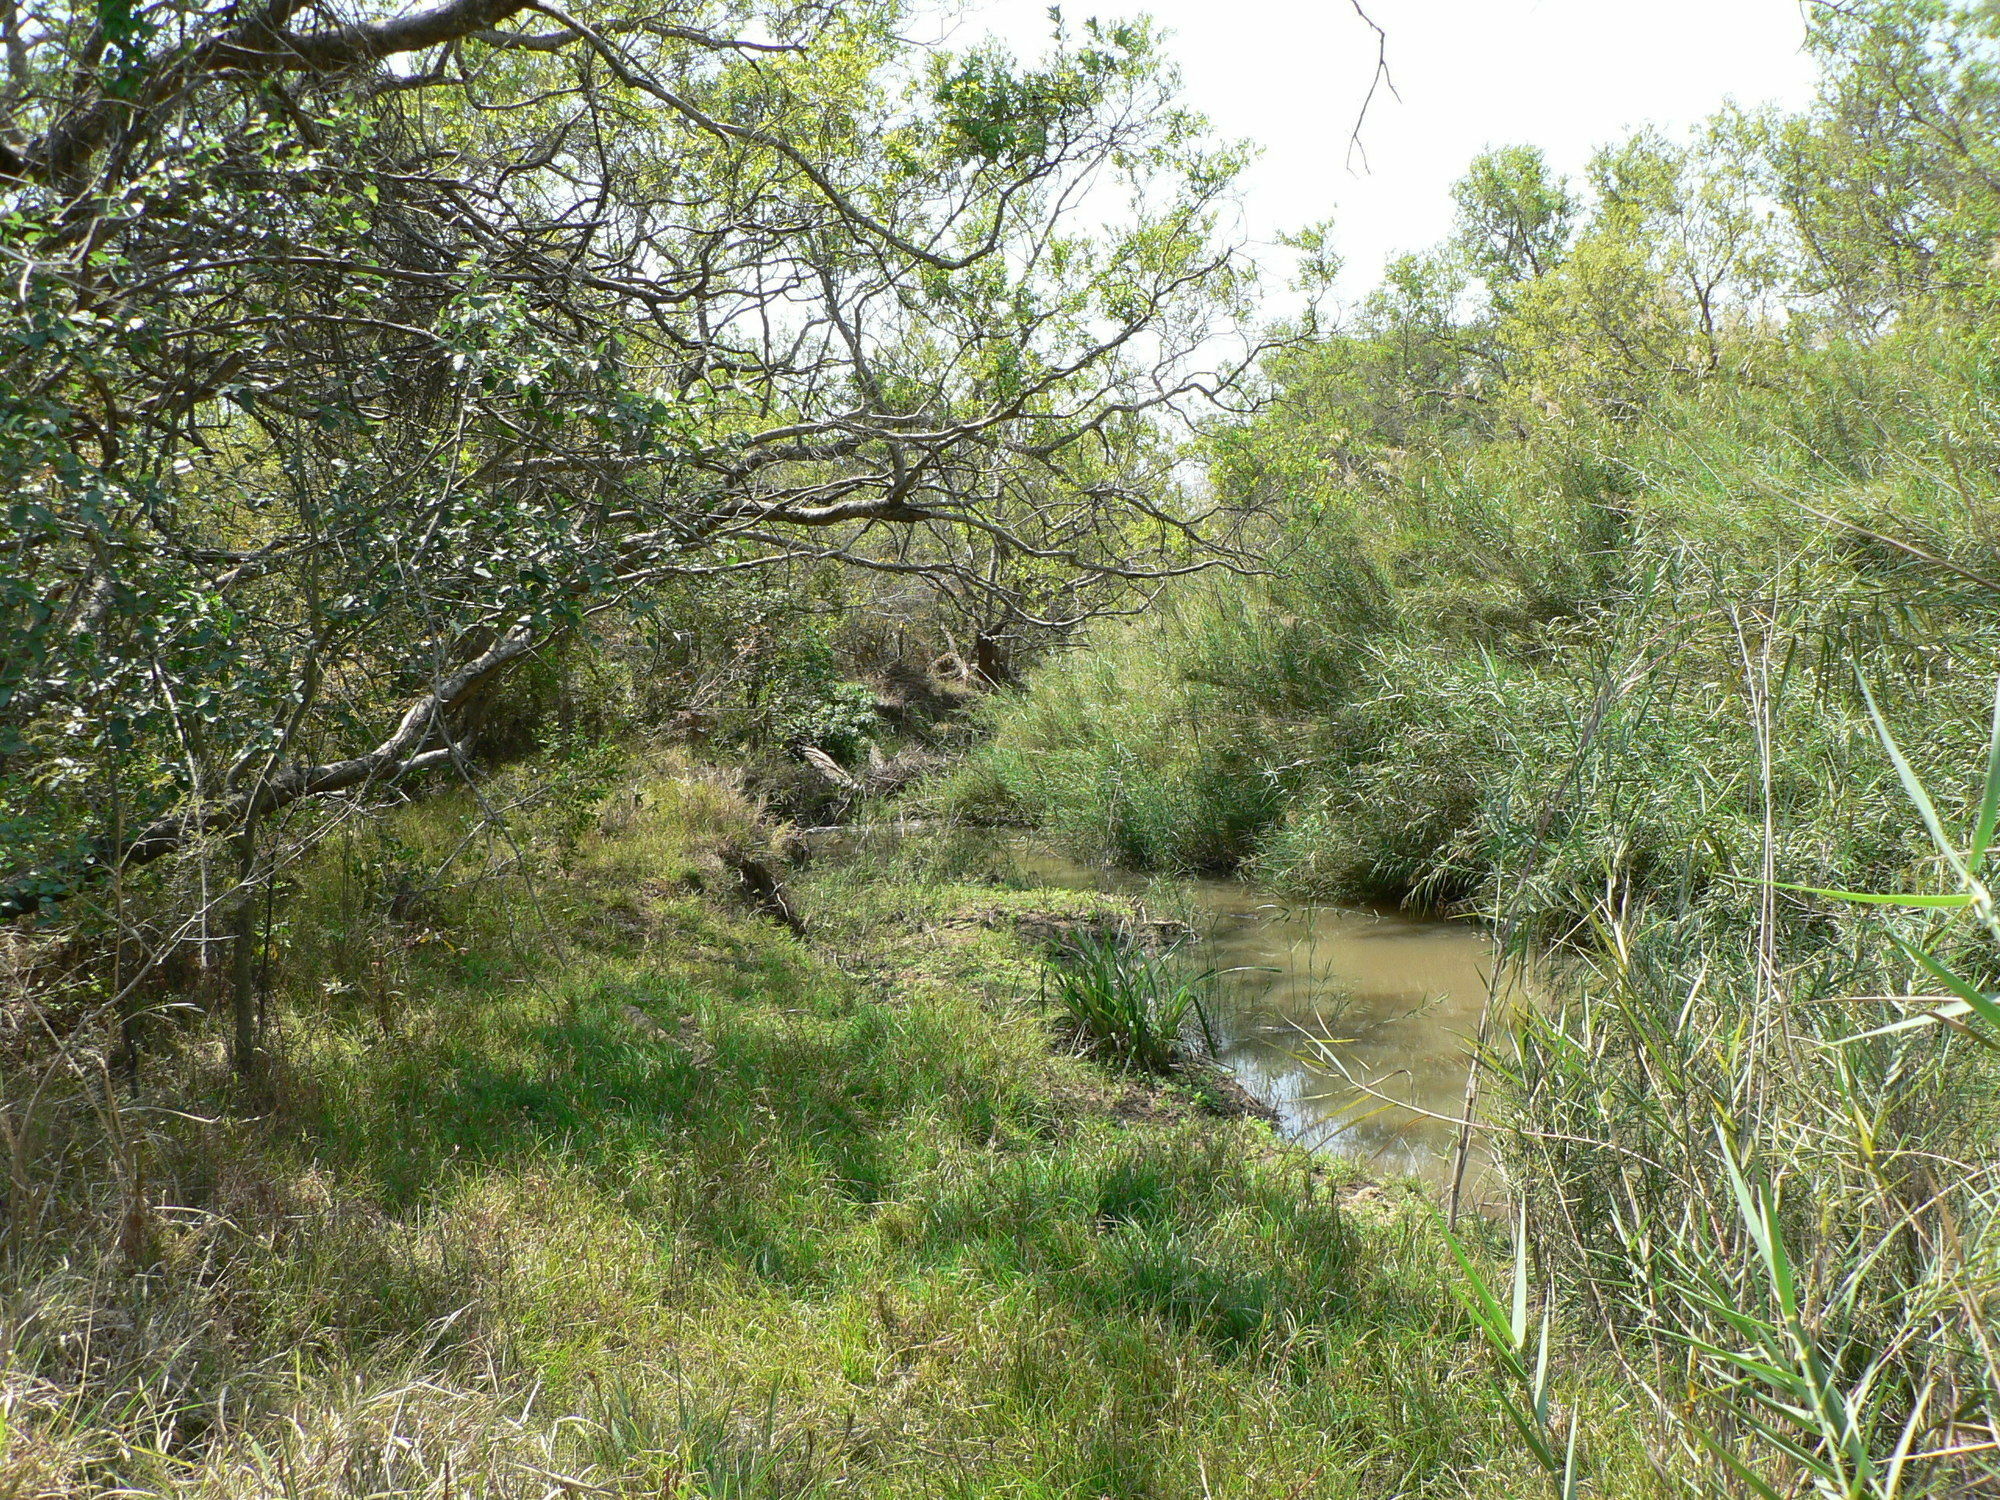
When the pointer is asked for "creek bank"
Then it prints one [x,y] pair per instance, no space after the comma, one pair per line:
[1197,1084]
[1317,1012]
[697,1197]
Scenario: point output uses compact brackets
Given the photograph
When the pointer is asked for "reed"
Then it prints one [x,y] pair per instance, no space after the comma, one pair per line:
[1662,757]
[1755,1155]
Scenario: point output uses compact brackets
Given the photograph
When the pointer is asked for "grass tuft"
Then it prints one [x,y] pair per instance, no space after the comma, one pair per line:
[1127,1004]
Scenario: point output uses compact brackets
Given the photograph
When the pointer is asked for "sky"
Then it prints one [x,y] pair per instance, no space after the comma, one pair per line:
[1566,75]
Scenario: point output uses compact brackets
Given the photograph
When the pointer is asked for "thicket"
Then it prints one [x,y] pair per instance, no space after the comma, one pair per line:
[1617,539]
[369,383]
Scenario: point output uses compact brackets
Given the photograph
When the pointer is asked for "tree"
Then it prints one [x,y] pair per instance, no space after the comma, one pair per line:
[354,361]
[1891,180]
[1514,216]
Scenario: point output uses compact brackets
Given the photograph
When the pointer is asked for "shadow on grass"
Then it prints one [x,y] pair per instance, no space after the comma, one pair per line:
[774,1136]
[783,1091]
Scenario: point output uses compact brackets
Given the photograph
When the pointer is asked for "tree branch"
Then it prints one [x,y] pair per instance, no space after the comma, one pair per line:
[398,755]
[259,48]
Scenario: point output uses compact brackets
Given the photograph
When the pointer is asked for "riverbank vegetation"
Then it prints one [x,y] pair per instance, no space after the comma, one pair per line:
[582,1175]
[1617,543]
[489,488]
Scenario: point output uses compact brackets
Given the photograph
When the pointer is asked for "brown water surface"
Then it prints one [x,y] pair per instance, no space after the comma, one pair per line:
[1355,1026]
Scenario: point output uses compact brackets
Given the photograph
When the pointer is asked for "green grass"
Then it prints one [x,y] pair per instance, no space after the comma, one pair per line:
[624,1185]
[1625,687]
[1129,1005]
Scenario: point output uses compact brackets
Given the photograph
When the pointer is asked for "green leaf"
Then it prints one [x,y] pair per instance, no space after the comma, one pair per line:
[1540,1389]
[1978,1002]
[1519,1326]
[1749,1364]
[1760,1218]
[1989,805]
[1530,1434]
[1946,1014]
[1722,1451]
[1912,785]
[1749,1202]
[1880,898]
[1893,1479]
[1485,1308]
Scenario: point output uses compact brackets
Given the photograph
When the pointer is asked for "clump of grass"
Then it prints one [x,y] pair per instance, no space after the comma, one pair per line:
[1128,1004]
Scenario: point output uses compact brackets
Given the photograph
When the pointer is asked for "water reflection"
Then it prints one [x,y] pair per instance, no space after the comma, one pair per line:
[1324,999]
[1317,1000]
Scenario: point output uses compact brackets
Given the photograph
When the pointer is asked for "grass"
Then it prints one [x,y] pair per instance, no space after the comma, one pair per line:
[1627,688]
[1126,1003]
[624,1190]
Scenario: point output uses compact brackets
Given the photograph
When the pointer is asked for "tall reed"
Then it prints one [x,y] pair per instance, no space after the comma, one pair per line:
[1752,1130]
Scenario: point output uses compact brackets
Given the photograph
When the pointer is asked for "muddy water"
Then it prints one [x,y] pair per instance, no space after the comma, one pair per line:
[1326,1005]
[1355,1026]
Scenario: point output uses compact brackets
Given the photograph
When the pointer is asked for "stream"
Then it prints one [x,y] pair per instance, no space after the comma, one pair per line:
[1312,999]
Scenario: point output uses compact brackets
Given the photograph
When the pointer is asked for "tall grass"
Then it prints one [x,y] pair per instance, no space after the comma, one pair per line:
[1772,1176]
[1609,694]
[1130,1005]
[1176,742]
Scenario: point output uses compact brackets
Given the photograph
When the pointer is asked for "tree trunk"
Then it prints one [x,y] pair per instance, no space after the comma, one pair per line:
[992,661]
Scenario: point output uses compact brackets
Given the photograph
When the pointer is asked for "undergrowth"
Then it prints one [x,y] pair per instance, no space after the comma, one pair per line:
[570,1174]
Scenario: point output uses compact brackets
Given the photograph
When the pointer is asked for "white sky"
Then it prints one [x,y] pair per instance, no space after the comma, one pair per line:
[1566,75]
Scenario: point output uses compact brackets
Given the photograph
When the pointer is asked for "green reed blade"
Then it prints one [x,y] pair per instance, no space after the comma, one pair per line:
[1912,785]
[1978,1002]
[1881,898]
[1989,803]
